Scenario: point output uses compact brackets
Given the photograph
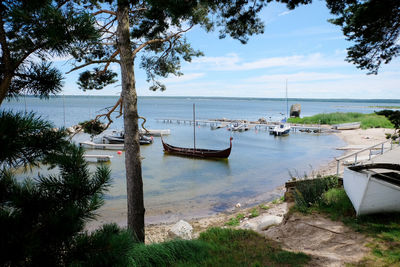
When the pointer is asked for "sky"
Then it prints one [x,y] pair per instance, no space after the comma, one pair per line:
[299,46]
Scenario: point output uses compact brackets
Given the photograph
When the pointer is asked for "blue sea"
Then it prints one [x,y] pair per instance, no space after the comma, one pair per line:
[177,187]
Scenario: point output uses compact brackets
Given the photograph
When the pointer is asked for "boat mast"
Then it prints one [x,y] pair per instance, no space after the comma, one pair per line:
[287,103]
[194,126]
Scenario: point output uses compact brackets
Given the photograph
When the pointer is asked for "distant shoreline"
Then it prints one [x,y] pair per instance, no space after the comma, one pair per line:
[360,100]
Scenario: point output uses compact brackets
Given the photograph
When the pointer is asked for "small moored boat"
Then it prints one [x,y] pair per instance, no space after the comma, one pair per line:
[281,129]
[197,152]
[118,138]
[373,188]
[347,126]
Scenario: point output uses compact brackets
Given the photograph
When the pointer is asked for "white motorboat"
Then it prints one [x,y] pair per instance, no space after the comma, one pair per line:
[373,188]
[281,129]
[238,127]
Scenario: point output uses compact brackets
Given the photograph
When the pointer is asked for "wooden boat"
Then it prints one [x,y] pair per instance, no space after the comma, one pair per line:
[197,152]
[373,188]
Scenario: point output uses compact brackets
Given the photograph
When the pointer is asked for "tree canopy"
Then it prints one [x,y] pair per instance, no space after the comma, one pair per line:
[31,32]
[373,26]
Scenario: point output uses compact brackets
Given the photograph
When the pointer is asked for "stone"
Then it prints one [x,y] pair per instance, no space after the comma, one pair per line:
[268,220]
[182,230]
[295,110]
[238,205]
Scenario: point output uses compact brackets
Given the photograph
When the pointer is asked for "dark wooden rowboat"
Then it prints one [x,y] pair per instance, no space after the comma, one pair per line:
[197,152]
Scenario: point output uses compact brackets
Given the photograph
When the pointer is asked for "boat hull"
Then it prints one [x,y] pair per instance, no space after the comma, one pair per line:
[197,153]
[370,194]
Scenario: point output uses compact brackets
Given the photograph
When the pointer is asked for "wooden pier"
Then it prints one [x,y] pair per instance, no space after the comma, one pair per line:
[99,158]
[92,145]
[217,124]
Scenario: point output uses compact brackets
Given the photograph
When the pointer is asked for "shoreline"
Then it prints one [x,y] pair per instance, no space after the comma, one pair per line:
[157,231]
[359,137]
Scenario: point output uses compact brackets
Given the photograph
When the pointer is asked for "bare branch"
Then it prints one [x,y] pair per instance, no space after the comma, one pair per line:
[104,11]
[108,63]
[159,40]
[92,62]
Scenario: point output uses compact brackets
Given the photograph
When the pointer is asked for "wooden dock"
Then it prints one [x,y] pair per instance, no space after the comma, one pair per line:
[92,145]
[217,124]
[99,158]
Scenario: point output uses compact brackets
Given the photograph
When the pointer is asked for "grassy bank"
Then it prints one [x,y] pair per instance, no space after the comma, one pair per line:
[383,228]
[367,120]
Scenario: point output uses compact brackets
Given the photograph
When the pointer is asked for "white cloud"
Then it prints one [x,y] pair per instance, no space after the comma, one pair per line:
[183,78]
[284,13]
[233,62]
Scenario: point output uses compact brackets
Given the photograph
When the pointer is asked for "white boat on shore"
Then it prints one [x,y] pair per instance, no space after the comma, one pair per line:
[347,126]
[373,188]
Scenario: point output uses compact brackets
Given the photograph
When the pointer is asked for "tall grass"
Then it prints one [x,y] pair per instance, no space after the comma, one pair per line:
[244,248]
[367,120]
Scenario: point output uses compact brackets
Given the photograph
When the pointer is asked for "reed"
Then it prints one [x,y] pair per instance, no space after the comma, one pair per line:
[367,120]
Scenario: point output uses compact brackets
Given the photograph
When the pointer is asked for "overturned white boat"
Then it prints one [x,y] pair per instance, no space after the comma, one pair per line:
[373,188]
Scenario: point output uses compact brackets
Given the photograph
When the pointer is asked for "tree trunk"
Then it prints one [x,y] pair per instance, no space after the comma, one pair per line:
[133,166]
[4,85]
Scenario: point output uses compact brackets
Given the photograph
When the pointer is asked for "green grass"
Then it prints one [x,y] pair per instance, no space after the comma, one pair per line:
[383,228]
[367,120]
[254,213]
[244,248]
[264,207]
[233,222]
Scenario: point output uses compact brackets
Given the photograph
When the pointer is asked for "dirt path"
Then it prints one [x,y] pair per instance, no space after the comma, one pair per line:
[330,243]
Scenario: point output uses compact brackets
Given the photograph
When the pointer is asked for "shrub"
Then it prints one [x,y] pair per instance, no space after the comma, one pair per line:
[310,191]
[254,213]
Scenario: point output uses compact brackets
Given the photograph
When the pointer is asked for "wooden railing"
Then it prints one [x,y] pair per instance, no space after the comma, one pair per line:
[370,148]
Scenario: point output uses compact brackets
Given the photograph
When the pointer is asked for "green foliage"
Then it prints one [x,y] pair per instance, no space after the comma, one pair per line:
[107,246]
[97,79]
[264,207]
[240,216]
[367,120]
[169,253]
[93,127]
[392,115]
[310,191]
[39,218]
[230,247]
[157,29]
[254,213]
[41,29]
[27,138]
[336,202]
[372,26]
[233,222]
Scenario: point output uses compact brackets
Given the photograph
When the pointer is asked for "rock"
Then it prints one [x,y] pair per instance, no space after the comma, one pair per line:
[262,120]
[238,205]
[250,225]
[295,110]
[267,221]
[262,222]
[181,229]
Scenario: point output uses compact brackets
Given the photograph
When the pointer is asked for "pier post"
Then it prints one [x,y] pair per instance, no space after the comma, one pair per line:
[337,167]
[382,149]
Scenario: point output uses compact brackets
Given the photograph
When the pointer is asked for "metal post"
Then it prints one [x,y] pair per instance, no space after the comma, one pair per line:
[194,127]
[382,149]
[370,154]
[355,159]
[337,167]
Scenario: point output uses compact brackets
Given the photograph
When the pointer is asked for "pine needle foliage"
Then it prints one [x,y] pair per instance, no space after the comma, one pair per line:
[26,138]
[40,217]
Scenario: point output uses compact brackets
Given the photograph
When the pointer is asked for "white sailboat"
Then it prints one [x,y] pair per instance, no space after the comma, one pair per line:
[283,128]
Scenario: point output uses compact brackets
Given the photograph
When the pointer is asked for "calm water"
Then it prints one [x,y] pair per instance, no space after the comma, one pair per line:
[177,187]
